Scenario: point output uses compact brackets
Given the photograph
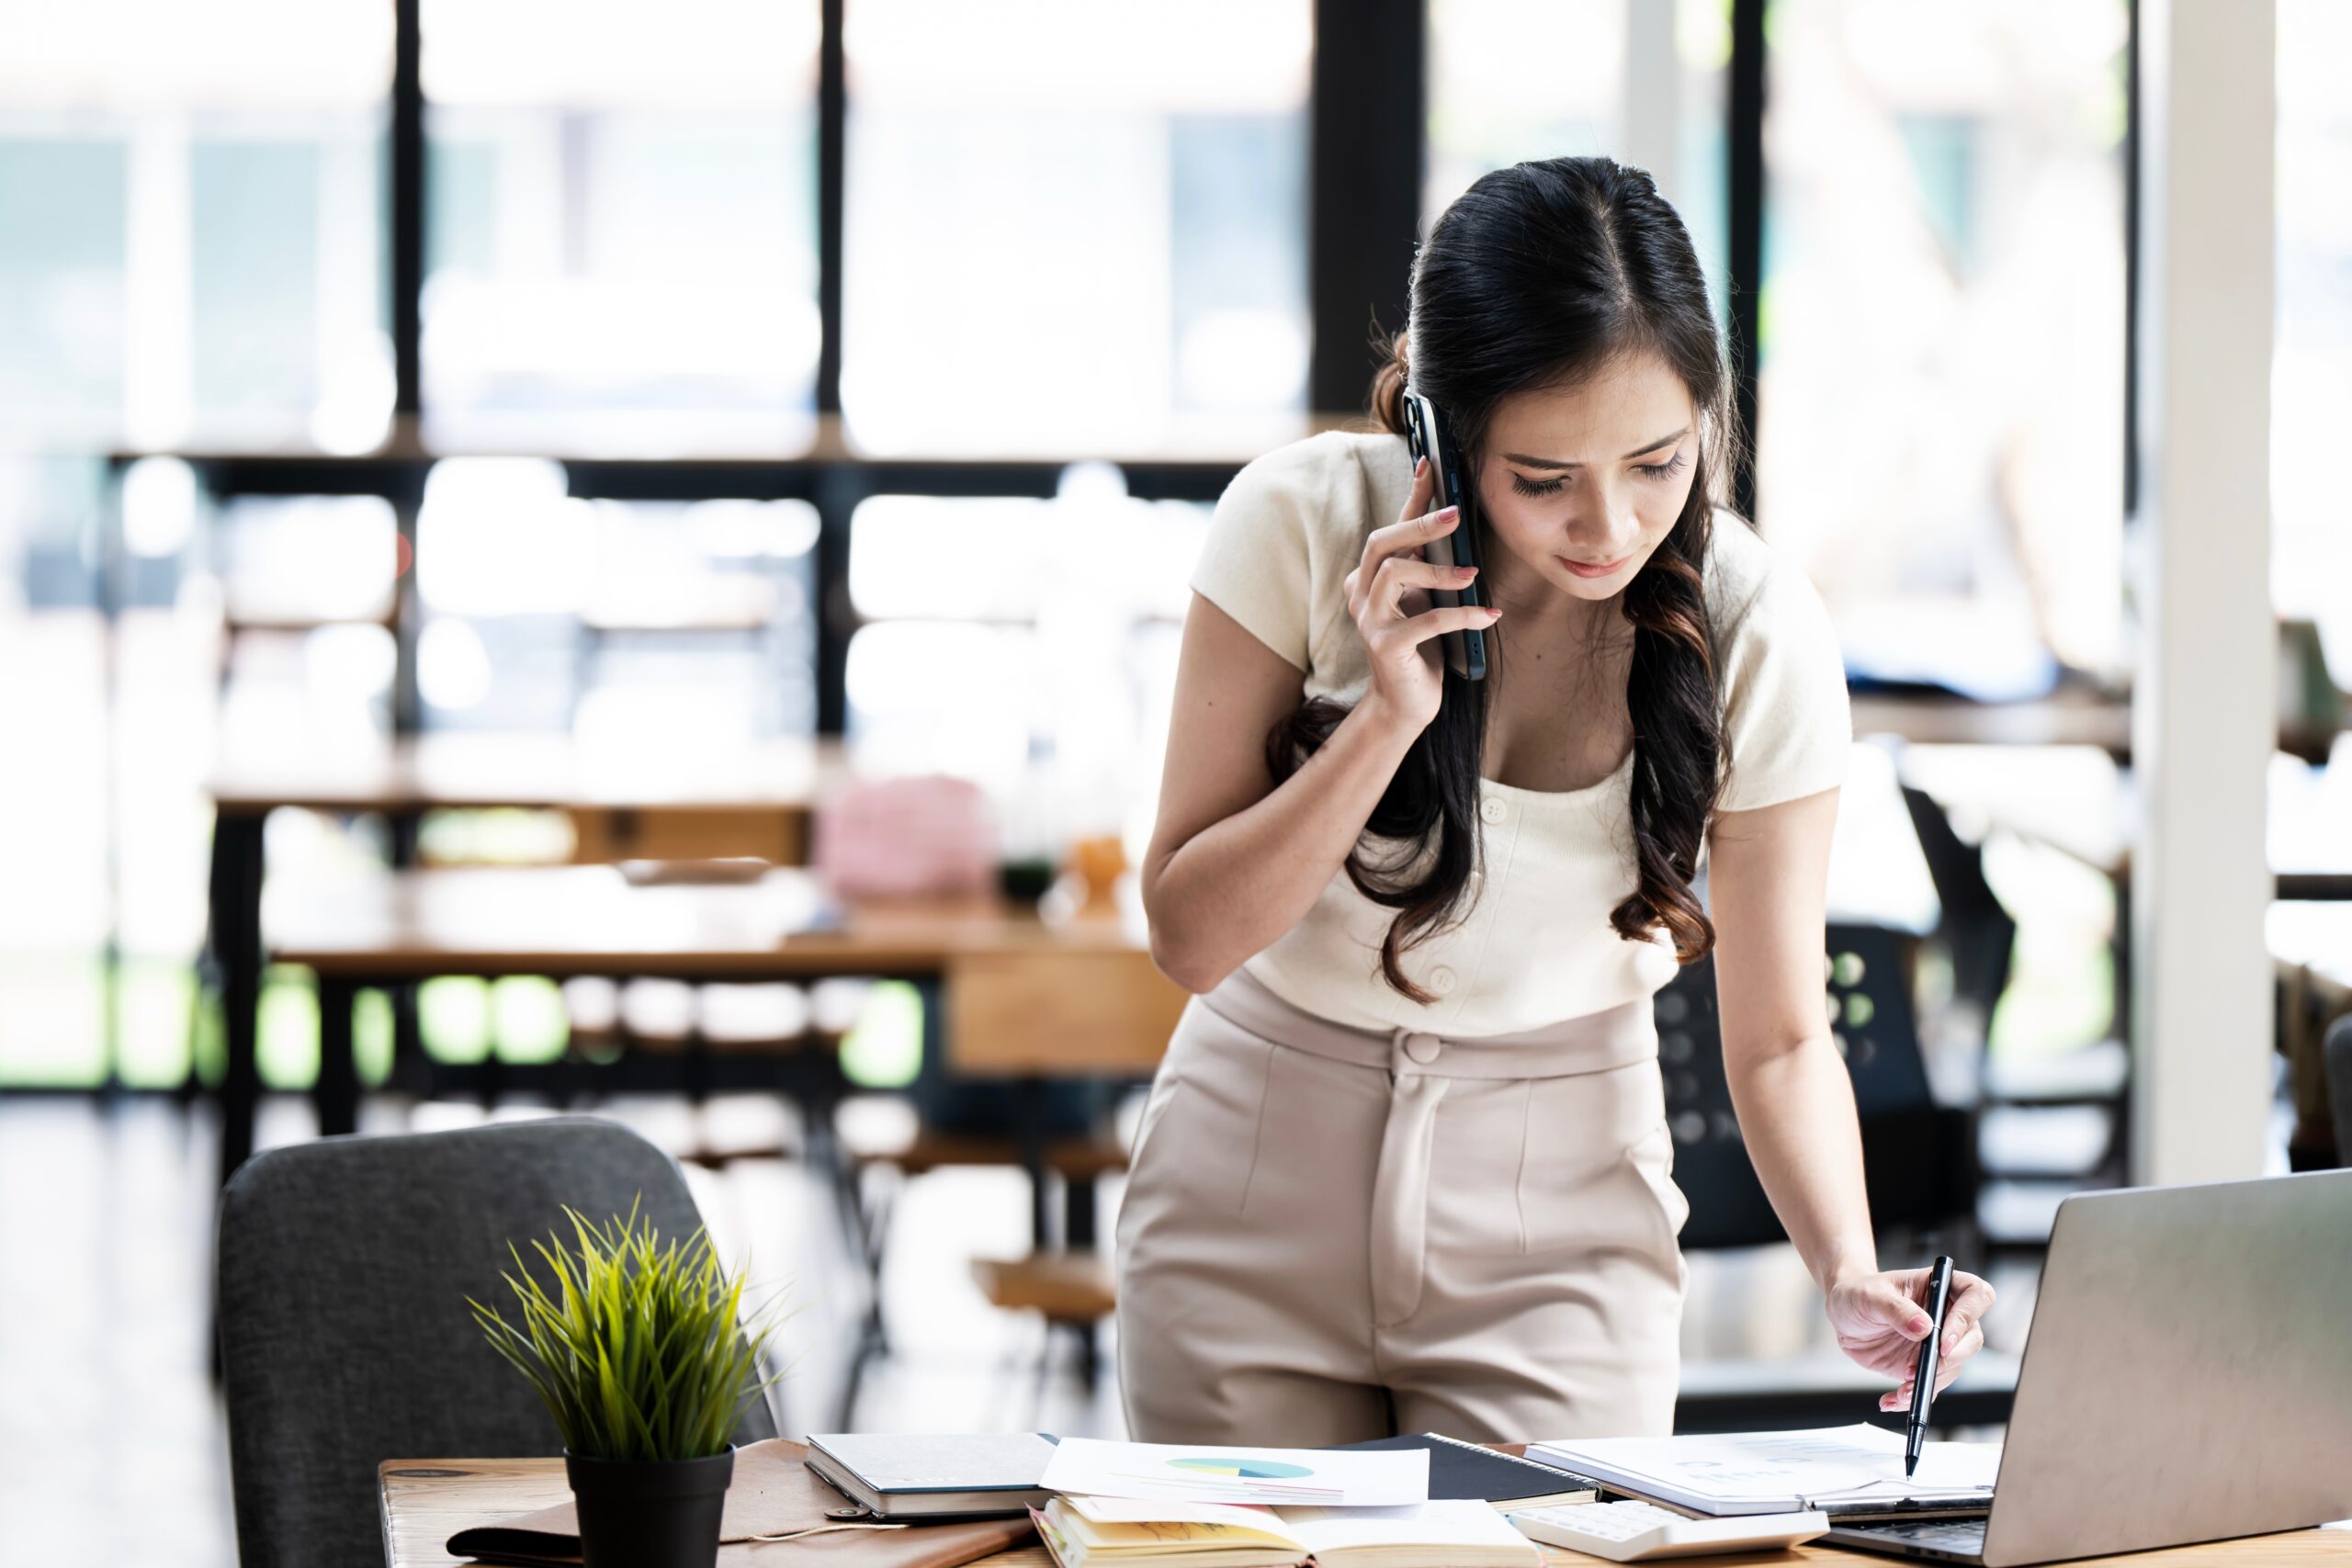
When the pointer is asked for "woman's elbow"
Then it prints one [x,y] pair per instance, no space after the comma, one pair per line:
[1184,962]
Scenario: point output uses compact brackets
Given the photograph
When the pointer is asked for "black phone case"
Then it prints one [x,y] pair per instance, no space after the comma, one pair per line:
[1425,424]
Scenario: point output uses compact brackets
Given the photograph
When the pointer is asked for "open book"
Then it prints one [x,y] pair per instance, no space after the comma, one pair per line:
[1085,1531]
[1838,1470]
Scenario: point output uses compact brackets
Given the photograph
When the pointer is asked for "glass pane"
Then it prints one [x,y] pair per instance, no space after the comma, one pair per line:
[2311,390]
[1077,225]
[1941,426]
[1636,80]
[193,249]
[622,226]
[648,623]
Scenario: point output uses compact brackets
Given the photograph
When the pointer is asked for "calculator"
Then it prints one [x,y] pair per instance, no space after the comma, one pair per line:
[1643,1532]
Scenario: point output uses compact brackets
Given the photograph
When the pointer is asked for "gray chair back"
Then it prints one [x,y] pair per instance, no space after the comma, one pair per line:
[345,1339]
[2337,1066]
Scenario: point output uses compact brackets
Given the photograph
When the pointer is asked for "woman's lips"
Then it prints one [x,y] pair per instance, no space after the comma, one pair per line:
[1585,569]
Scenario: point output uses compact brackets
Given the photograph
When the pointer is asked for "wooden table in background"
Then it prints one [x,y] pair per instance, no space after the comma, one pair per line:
[1009,994]
[651,801]
[428,1501]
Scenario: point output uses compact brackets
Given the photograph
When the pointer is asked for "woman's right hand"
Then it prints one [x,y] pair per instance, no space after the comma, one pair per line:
[1388,596]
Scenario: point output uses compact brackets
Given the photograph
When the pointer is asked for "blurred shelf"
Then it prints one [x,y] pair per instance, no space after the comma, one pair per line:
[1196,448]
[2067,718]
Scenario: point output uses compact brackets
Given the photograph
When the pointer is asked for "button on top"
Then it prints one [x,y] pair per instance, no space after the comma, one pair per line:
[1442,980]
[1422,1048]
[1494,810]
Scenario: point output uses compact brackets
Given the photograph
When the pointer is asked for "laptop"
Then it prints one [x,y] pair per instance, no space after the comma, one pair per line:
[2188,1377]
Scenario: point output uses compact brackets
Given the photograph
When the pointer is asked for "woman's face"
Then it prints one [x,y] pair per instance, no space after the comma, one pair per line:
[1581,484]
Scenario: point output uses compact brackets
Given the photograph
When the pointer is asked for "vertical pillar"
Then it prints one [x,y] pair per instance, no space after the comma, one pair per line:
[2205,708]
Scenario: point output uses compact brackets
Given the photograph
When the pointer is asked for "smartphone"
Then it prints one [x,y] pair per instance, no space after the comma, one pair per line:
[1426,429]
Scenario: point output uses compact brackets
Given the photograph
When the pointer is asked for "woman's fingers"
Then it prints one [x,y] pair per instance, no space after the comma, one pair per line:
[1950,1359]
[1404,538]
[1948,1365]
[1416,500]
[1400,571]
[1415,630]
[1972,1298]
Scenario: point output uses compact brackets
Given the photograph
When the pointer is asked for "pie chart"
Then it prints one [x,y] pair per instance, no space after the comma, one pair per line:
[1252,1468]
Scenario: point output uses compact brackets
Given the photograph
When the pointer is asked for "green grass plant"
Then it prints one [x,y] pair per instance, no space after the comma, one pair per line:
[639,1349]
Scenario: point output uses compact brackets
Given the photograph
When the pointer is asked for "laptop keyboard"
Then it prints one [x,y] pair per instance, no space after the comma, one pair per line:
[1946,1535]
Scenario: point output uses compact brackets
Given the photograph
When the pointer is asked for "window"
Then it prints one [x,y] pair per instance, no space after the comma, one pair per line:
[1075,226]
[2310,373]
[1940,421]
[621,226]
[1640,81]
[193,245]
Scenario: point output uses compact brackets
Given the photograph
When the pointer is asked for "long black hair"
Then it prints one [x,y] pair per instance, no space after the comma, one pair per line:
[1537,276]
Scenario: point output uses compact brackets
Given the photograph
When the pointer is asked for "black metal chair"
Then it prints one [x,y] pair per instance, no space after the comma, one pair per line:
[2338,1060]
[1919,1156]
[345,1340]
[1919,1163]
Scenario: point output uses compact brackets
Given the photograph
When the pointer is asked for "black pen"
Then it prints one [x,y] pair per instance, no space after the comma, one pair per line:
[1923,1372]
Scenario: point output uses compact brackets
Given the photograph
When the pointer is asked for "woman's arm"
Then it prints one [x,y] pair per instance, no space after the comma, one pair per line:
[1767,886]
[1234,862]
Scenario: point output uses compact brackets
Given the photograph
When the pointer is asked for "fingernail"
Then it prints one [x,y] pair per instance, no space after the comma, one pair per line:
[1918,1325]
[1447,515]
[1421,466]
[1494,612]
[1466,572]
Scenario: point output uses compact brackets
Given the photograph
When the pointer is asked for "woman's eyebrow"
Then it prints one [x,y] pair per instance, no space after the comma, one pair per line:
[1638,452]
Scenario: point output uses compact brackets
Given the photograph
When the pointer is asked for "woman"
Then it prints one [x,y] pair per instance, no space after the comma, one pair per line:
[1406,1165]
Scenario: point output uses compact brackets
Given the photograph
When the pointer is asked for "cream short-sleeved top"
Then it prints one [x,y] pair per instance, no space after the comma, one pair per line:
[1536,946]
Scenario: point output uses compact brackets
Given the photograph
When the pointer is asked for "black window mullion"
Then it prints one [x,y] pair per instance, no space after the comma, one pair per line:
[1744,145]
[1367,120]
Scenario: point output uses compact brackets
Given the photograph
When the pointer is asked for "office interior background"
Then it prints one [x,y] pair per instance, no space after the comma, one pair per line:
[673,384]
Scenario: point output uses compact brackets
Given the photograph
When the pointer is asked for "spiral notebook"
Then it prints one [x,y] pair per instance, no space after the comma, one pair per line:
[1843,1471]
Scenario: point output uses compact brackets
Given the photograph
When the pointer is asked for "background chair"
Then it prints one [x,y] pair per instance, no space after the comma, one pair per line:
[2339,1086]
[1918,1154]
[1919,1160]
[345,1338]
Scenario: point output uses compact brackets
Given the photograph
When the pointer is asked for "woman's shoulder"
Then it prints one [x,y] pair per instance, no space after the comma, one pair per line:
[1325,479]
[1747,578]
[1286,531]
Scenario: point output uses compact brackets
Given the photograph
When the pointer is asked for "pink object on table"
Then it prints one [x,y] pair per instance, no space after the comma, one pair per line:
[930,833]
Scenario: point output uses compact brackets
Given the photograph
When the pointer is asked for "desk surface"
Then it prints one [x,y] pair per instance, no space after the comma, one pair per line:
[589,920]
[428,1501]
[461,769]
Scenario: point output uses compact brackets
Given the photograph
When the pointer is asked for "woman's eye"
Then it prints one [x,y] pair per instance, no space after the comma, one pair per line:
[1526,486]
[1660,470]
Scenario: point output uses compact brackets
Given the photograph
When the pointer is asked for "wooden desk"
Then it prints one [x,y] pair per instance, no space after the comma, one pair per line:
[1011,994]
[428,1501]
[604,787]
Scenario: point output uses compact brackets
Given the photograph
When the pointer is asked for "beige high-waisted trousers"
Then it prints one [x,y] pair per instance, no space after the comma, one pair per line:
[1332,1233]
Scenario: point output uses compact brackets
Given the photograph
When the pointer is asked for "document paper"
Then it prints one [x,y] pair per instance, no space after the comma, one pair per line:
[1226,1473]
[1759,1473]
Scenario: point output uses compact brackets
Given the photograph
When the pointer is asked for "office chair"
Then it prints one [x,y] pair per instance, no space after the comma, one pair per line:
[345,1339]
[1919,1157]
[2337,1056]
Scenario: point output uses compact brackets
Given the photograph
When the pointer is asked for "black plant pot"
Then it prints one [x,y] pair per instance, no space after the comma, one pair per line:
[649,1513]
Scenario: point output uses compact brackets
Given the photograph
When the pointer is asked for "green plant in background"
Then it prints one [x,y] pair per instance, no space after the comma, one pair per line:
[639,1352]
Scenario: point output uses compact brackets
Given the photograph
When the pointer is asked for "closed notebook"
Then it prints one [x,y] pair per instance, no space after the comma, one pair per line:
[1459,1469]
[1115,1532]
[773,1496]
[922,1476]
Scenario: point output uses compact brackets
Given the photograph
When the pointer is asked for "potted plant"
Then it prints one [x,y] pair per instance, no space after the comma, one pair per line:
[639,1353]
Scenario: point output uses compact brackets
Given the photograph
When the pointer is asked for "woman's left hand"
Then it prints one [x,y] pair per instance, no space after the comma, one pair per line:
[1881,1318]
